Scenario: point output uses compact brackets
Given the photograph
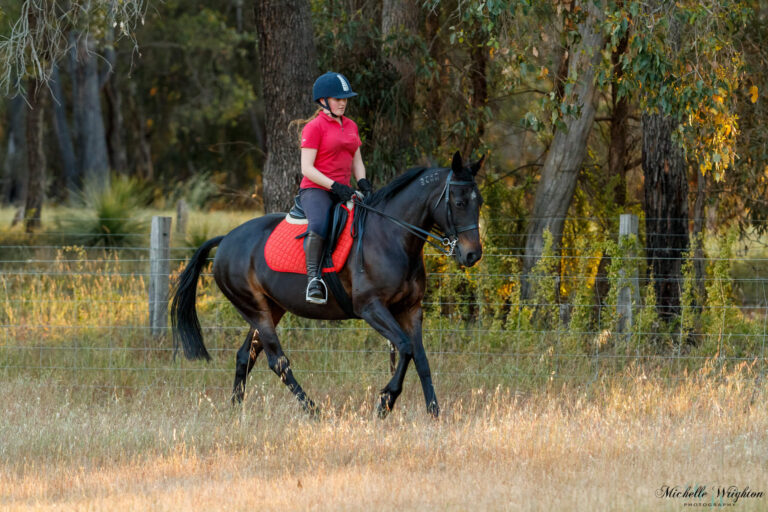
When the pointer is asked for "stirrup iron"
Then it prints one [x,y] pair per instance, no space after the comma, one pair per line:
[315,300]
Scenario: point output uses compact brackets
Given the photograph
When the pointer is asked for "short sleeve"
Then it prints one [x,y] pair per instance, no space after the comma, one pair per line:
[357,134]
[311,136]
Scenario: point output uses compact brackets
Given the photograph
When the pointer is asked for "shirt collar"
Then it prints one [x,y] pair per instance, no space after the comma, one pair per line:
[329,118]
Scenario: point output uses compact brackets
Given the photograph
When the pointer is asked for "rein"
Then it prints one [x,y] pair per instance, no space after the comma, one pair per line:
[440,243]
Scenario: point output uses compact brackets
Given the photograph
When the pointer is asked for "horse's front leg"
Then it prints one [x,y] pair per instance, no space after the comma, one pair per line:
[412,321]
[382,320]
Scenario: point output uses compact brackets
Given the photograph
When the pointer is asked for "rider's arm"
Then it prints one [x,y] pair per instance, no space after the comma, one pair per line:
[358,167]
[308,168]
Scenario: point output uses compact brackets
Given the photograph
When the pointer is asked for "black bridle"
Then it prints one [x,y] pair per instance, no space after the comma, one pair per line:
[448,240]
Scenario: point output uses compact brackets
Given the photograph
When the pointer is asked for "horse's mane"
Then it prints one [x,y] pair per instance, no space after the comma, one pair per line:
[395,186]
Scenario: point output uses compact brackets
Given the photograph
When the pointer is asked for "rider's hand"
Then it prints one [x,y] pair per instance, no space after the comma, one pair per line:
[343,192]
[364,186]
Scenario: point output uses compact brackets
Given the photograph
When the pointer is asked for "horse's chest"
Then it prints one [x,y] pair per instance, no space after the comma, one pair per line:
[410,291]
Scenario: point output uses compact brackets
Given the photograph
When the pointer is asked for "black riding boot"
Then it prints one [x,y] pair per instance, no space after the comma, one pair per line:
[317,293]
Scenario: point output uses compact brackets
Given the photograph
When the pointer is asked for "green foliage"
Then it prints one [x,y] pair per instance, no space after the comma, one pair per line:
[112,216]
[728,333]
[696,84]
[196,191]
[622,269]
[197,235]
[648,328]
[690,301]
[545,282]
[582,299]
[196,87]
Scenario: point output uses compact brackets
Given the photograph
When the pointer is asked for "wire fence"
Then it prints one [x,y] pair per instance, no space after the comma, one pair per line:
[79,316]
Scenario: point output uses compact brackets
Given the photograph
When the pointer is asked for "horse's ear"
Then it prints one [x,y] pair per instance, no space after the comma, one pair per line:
[458,164]
[475,167]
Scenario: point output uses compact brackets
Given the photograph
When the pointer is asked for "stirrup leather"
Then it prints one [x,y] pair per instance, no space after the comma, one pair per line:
[315,300]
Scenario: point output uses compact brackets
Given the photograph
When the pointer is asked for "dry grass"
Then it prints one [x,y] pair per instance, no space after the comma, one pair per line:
[608,446]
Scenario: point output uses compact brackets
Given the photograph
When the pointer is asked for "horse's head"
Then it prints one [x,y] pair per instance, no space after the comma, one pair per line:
[457,211]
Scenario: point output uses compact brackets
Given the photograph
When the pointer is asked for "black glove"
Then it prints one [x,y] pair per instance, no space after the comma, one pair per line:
[364,186]
[343,192]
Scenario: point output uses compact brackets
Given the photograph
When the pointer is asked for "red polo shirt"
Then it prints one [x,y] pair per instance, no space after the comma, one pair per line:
[336,145]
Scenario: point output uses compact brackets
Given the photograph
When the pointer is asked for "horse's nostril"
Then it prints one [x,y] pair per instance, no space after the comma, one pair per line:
[472,258]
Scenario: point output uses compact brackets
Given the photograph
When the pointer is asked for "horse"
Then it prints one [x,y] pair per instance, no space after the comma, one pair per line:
[384,277]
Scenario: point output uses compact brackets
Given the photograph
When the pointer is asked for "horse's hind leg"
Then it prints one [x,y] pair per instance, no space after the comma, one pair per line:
[263,318]
[246,357]
[280,364]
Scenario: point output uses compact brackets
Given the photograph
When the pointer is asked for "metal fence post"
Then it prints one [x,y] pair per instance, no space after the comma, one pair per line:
[628,284]
[160,269]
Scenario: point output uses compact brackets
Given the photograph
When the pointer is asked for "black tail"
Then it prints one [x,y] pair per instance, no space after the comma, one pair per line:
[186,326]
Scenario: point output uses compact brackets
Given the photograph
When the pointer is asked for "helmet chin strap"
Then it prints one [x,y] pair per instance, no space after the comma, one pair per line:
[324,103]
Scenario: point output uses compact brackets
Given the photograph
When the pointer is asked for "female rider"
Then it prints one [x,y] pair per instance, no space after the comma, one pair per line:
[330,154]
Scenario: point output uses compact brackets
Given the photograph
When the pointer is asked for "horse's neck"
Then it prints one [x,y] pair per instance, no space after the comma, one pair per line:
[413,205]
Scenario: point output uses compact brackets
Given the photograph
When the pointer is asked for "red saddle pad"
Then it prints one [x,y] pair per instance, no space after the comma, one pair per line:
[284,253]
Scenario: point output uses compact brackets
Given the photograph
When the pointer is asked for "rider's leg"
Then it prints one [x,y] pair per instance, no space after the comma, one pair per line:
[313,249]
[317,205]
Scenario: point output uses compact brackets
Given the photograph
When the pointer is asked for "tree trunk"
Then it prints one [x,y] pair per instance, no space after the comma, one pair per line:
[14,183]
[287,61]
[393,134]
[35,155]
[564,157]
[434,99]
[63,135]
[479,98]
[92,143]
[666,210]
[115,136]
[617,149]
[141,156]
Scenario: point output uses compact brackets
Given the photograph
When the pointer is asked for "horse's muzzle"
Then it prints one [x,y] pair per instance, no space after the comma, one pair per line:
[467,254]
[472,257]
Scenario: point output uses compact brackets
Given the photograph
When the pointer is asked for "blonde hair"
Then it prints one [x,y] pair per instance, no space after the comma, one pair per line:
[299,124]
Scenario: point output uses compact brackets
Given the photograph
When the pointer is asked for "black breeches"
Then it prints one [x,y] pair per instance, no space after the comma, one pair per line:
[317,204]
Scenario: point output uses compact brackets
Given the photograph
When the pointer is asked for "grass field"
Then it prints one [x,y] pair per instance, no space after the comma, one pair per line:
[607,446]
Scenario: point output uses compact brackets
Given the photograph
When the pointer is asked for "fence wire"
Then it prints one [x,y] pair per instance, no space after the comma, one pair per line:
[79,317]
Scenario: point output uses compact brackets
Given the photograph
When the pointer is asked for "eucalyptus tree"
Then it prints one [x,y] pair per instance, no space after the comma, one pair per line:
[684,66]
[39,37]
[565,154]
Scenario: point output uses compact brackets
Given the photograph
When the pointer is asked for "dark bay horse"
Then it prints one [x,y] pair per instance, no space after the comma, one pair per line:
[386,290]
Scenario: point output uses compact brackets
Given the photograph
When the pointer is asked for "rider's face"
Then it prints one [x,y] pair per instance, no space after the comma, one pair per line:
[338,106]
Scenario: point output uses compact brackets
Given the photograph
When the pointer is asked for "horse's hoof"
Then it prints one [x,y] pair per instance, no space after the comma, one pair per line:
[311,409]
[434,410]
[383,407]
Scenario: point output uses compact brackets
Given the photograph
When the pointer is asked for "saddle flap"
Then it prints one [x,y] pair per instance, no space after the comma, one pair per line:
[284,252]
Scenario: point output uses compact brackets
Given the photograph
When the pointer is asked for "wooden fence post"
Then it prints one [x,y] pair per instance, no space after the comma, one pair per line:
[628,282]
[182,216]
[160,270]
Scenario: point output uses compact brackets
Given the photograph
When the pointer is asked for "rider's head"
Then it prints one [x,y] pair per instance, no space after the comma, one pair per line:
[331,91]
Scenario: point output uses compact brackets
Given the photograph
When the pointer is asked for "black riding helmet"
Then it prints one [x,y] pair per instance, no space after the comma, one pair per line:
[331,85]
